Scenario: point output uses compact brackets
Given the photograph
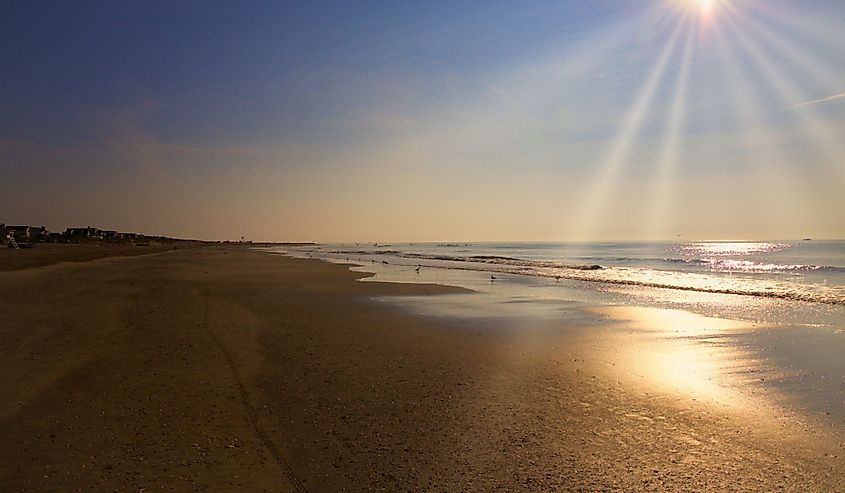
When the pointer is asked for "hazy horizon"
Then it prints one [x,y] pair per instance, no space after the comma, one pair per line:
[424,122]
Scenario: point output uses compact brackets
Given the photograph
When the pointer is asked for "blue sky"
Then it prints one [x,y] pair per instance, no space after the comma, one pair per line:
[426,121]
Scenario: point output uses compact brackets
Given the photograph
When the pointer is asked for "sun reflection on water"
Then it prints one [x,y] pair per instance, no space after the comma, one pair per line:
[684,352]
[729,249]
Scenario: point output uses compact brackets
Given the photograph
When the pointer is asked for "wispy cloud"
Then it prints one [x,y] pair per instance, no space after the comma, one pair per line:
[819,101]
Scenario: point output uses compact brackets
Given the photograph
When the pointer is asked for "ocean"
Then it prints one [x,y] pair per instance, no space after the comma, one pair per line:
[802,270]
[806,271]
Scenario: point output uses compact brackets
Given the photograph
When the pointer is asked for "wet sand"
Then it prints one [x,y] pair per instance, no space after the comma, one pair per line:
[216,369]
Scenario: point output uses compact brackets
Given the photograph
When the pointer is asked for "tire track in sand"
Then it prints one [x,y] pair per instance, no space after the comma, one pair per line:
[252,415]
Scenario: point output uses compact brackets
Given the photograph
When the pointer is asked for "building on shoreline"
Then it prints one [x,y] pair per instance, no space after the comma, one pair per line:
[24,232]
[100,234]
[88,232]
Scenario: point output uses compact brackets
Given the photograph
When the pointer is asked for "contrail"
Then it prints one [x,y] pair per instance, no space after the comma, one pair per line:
[819,101]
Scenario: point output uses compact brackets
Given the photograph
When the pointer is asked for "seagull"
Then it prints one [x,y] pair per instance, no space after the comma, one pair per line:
[418,269]
[492,278]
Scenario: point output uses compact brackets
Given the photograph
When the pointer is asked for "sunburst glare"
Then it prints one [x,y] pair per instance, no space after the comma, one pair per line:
[750,89]
[705,8]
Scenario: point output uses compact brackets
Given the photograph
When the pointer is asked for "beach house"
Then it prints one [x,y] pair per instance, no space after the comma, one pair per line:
[18,232]
[36,233]
[88,232]
[23,232]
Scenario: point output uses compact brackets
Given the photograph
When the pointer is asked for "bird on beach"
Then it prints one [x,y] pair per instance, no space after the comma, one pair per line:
[492,278]
[557,278]
[418,269]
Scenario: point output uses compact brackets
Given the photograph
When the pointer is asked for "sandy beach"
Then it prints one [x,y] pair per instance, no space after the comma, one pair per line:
[52,253]
[224,368]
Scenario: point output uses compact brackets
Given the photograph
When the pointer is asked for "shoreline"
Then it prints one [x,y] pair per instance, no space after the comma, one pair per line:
[188,370]
[684,273]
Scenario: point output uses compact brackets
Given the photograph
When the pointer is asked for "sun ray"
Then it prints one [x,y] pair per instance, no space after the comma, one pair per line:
[608,169]
[817,132]
[529,85]
[670,151]
[819,74]
[786,192]
[818,28]
[747,103]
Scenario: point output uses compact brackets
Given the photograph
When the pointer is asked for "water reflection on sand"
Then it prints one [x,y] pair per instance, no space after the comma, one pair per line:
[683,351]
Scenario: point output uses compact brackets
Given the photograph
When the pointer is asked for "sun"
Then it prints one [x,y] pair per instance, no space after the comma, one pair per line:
[704,8]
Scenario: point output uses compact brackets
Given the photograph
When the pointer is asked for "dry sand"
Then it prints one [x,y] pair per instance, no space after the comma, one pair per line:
[224,368]
[41,254]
